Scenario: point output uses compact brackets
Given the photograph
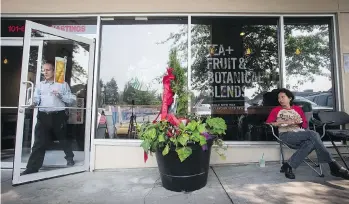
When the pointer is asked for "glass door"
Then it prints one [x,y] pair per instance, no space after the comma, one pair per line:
[54,110]
[11,62]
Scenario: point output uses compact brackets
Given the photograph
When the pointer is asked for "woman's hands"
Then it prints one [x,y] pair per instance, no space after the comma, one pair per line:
[298,121]
[287,123]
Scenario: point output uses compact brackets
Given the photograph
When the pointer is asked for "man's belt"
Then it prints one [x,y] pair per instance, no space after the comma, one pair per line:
[52,112]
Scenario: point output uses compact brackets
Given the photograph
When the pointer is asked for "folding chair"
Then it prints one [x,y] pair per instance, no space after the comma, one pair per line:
[307,109]
[332,119]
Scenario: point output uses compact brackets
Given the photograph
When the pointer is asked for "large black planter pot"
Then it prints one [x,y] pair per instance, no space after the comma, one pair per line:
[189,175]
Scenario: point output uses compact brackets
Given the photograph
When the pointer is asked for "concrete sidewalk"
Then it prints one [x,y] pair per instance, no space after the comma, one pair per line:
[226,185]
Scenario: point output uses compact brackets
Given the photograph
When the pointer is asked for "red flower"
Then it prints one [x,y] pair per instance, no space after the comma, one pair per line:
[169,133]
[167,96]
[173,120]
[145,155]
[185,120]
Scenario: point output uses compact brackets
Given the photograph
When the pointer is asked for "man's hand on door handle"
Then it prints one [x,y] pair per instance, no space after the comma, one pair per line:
[32,106]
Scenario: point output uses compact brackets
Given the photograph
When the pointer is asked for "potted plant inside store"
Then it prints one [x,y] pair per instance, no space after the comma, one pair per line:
[181,143]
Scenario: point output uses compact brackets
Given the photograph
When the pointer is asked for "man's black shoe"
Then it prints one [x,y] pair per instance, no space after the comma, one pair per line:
[288,171]
[342,172]
[28,171]
[70,162]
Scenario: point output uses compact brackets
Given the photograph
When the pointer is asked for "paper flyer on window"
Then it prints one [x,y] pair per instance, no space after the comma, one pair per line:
[60,69]
[76,116]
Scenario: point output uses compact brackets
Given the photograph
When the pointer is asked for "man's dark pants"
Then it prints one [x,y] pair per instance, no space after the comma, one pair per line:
[47,123]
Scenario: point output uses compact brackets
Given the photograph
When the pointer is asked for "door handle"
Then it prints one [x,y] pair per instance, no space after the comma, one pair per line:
[27,96]
[31,93]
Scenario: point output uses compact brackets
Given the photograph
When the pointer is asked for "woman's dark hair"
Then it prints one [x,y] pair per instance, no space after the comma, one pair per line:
[288,93]
[102,113]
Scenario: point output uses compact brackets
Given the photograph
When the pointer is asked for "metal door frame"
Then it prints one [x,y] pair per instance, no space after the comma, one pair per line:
[29,26]
[18,42]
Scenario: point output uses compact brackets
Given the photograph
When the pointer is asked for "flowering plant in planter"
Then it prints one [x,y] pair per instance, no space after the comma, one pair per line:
[177,130]
[178,133]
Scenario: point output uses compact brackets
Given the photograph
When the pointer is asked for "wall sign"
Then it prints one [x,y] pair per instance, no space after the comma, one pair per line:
[79,29]
[228,77]
[71,28]
[16,28]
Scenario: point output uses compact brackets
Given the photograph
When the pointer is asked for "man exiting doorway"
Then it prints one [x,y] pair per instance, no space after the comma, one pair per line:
[52,118]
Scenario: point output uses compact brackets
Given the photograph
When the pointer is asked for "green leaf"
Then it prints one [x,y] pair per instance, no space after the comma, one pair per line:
[161,138]
[181,126]
[146,145]
[217,126]
[154,146]
[166,150]
[184,153]
[202,140]
[174,141]
[152,133]
[201,128]
[183,140]
[195,136]
[191,125]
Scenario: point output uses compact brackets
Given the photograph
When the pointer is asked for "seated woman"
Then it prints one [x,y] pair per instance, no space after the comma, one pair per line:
[292,124]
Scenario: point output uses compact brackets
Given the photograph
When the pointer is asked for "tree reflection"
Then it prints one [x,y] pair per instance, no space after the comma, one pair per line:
[262,41]
[65,48]
[140,97]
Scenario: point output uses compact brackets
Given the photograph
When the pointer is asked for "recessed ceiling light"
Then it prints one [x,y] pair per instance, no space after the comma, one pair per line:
[140,18]
[107,18]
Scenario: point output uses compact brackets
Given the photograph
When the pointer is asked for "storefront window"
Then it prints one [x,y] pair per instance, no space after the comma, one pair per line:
[135,53]
[234,62]
[309,62]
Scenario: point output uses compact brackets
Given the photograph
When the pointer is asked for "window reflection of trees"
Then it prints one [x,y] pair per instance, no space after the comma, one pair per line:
[151,92]
[309,61]
[311,40]
[308,53]
[261,41]
[78,73]
[111,95]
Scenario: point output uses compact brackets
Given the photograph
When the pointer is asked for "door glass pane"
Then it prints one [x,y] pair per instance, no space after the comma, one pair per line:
[58,120]
[11,58]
